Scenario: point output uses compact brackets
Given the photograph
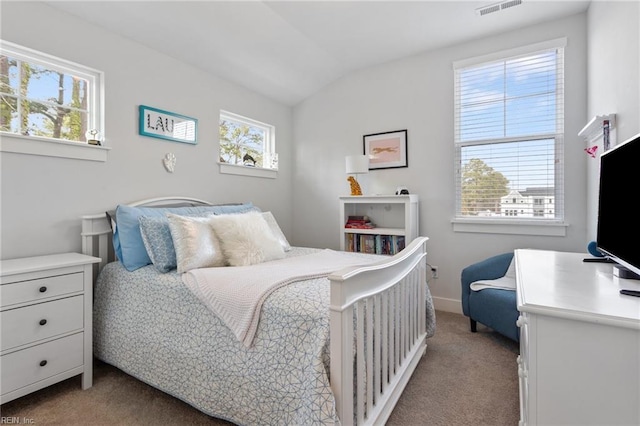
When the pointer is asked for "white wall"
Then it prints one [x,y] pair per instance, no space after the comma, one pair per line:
[614,79]
[43,197]
[416,94]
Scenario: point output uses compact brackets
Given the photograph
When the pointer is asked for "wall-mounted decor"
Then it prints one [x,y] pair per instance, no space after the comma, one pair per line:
[157,123]
[169,161]
[386,150]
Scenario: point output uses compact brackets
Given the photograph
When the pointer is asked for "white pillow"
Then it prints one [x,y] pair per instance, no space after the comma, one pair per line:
[195,242]
[246,239]
[277,232]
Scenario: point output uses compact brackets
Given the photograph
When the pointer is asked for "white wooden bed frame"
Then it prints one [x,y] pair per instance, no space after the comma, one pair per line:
[388,342]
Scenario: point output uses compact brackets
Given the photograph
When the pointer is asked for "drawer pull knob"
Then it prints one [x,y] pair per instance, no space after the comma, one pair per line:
[43,289]
[43,363]
[43,321]
[521,321]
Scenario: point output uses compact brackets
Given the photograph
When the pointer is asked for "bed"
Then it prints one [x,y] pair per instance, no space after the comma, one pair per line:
[330,347]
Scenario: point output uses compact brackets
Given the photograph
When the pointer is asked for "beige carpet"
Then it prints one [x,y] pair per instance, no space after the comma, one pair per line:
[464,379]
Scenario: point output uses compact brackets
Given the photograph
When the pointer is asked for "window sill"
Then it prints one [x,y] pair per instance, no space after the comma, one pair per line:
[233,169]
[515,227]
[32,145]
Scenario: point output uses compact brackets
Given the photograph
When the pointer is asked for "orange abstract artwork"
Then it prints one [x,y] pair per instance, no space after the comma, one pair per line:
[385,150]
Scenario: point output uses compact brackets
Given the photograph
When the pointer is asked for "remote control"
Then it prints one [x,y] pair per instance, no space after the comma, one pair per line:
[630,292]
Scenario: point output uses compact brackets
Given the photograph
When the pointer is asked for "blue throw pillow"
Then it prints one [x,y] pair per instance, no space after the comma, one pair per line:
[127,239]
[156,236]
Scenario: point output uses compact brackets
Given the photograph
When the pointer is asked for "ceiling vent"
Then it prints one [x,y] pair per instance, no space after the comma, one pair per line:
[496,7]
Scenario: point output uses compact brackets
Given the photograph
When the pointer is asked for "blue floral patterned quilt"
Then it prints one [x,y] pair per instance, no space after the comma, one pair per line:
[151,326]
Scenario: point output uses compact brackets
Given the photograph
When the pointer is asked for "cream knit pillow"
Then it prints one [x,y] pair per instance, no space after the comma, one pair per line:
[246,239]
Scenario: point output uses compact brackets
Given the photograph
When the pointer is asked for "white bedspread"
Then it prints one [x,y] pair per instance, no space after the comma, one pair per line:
[236,294]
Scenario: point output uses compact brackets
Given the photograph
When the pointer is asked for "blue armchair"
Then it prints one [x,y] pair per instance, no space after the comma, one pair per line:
[495,308]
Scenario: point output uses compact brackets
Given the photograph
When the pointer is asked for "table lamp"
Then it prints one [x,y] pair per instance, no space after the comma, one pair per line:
[356,164]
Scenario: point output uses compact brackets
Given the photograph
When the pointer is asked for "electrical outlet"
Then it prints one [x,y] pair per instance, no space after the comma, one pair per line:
[434,272]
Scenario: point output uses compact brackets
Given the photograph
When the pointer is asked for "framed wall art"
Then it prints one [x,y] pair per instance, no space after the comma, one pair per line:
[386,150]
[157,123]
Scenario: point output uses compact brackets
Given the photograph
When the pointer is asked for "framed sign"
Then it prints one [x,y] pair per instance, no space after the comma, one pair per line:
[386,150]
[157,123]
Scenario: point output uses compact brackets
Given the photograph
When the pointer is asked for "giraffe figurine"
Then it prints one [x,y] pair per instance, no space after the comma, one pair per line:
[355,186]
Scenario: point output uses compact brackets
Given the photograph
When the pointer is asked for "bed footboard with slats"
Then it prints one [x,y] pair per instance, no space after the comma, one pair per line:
[378,333]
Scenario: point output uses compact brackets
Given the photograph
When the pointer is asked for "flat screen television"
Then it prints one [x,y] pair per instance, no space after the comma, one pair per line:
[618,232]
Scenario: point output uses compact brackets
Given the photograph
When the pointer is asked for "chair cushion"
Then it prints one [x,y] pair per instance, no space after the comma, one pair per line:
[488,269]
[497,309]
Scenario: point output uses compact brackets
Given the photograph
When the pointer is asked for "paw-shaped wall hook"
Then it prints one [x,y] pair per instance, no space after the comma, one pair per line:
[169,162]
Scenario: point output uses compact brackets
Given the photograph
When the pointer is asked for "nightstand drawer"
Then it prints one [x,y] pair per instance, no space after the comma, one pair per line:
[39,362]
[34,290]
[40,321]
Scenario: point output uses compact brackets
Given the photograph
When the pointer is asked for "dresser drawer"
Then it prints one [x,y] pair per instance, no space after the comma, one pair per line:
[22,368]
[34,290]
[40,321]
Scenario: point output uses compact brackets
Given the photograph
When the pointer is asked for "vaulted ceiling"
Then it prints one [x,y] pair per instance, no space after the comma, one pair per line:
[288,50]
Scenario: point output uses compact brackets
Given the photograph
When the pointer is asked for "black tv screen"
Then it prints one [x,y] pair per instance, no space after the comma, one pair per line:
[618,232]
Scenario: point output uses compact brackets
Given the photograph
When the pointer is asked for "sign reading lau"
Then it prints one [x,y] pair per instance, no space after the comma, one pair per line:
[157,123]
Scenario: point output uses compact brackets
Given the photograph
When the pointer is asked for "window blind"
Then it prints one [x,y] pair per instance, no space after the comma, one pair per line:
[509,126]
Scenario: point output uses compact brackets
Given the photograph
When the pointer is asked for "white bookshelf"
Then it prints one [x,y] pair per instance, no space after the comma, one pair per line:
[395,217]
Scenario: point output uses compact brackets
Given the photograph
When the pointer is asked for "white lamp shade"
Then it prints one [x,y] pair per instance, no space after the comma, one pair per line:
[357,164]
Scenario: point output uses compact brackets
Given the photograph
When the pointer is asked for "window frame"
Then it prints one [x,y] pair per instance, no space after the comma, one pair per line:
[512,225]
[38,145]
[269,147]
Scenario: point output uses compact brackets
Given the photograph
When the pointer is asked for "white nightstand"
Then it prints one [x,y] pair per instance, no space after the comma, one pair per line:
[46,322]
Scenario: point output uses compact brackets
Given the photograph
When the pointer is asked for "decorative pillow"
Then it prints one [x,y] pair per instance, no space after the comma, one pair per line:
[195,242]
[158,242]
[277,232]
[246,239]
[127,239]
[111,214]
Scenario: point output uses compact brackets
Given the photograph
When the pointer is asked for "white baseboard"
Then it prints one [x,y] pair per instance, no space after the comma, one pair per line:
[447,305]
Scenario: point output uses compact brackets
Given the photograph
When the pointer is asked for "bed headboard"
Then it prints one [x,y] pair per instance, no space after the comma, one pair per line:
[97,233]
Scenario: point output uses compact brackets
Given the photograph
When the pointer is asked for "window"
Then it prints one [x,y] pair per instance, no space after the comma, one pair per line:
[247,144]
[509,113]
[47,99]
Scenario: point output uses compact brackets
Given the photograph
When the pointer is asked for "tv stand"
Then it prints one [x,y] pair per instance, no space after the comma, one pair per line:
[625,273]
[579,342]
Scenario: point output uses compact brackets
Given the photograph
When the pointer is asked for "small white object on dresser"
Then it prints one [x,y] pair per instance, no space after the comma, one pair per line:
[395,218]
[46,322]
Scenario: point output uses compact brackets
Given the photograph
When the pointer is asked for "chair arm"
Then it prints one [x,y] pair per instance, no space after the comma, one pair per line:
[488,269]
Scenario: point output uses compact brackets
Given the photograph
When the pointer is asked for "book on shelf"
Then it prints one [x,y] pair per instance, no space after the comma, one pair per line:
[374,244]
[359,222]
[359,225]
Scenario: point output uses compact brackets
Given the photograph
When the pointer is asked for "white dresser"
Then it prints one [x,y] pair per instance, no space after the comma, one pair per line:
[579,360]
[46,322]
